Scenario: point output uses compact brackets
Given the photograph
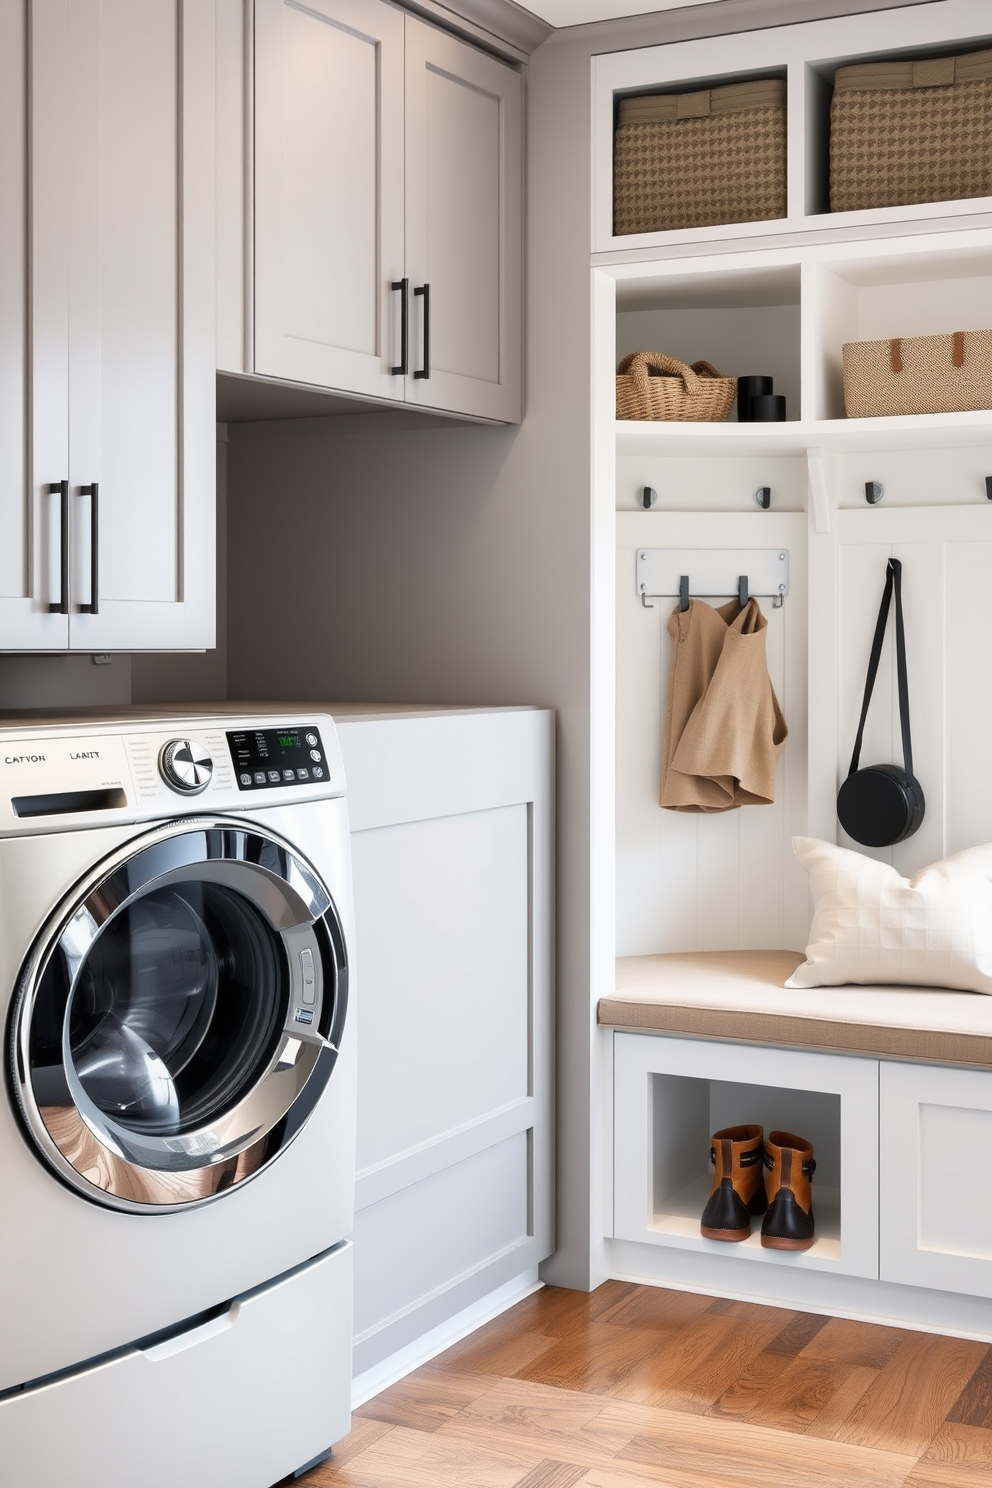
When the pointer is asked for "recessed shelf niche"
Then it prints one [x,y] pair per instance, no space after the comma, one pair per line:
[742,322]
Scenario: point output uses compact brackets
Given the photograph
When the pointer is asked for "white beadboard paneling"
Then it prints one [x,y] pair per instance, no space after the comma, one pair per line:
[421,1240]
[967,696]
[443,926]
[688,882]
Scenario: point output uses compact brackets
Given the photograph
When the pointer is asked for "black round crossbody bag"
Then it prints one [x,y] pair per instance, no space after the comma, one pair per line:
[883,804]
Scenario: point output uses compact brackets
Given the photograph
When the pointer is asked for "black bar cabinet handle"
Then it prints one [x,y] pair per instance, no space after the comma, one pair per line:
[425,370]
[93,492]
[403,285]
[61,488]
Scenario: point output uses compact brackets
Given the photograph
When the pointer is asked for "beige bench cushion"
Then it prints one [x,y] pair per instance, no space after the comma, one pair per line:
[740,995]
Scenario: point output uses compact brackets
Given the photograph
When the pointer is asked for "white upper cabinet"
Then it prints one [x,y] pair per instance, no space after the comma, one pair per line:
[387,209]
[112,503]
[463,229]
[328,191]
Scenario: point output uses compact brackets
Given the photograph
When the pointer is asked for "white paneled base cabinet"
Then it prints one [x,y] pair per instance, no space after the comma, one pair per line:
[899,1195]
[451,817]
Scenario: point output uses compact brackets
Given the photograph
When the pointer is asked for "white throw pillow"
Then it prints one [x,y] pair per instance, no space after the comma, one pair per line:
[871,925]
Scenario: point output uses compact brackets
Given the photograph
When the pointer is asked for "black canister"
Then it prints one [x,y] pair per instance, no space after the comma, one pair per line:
[768,408]
[748,388]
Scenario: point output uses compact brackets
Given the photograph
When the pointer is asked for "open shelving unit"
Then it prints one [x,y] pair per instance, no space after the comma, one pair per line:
[808,56]
[780,298]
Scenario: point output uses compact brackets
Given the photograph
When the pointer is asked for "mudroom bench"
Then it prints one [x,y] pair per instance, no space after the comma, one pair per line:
[892,1085]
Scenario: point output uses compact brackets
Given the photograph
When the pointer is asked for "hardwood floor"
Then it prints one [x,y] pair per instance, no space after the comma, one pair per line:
[634,1385]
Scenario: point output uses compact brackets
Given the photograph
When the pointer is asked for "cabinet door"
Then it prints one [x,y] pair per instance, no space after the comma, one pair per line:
[935,1208]
[34,343]
[329,193]
[141,324]
[463,226]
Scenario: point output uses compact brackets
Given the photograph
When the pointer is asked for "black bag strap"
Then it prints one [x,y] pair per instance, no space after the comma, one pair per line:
[893,581]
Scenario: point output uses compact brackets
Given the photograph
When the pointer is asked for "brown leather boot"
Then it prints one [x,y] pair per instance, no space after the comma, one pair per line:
[789,1167]
[738,1188]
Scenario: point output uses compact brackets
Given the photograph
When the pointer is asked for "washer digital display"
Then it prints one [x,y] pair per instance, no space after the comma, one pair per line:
[266,759]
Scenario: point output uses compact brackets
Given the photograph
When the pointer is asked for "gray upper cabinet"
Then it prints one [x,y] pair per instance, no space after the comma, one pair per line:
[386,210]
[328,191]
[463,226]
[107,312]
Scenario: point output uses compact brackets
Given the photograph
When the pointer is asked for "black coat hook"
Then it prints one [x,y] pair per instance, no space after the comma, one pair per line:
[763,496]
[874,491]
[988,486]
[742,590]
[648,497]
[684,593]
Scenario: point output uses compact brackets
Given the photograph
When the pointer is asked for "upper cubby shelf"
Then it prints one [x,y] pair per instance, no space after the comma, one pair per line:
[806,57]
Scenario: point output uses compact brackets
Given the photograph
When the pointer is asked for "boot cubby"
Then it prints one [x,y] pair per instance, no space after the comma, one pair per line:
[672,1094]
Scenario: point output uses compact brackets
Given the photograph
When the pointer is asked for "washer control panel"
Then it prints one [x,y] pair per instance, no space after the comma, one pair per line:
[270,758]
[186,766]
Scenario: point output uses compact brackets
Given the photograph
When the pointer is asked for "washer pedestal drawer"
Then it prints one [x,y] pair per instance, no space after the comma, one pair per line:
[237,1401]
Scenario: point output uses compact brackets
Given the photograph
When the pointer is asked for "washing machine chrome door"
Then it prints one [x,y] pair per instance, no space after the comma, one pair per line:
[179,1016]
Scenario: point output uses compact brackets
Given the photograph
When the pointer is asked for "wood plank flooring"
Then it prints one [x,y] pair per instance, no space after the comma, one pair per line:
[635,1385]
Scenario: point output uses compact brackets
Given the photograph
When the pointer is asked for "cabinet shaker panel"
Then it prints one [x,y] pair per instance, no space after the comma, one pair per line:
[34,340]
[141,324]
[124,299]
[463,229]
[934,1214]
[329,193]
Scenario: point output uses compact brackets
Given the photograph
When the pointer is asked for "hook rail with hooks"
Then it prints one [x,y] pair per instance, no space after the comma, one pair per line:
[712,573]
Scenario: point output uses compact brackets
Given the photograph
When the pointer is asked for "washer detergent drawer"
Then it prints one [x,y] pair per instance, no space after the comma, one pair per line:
[238,1402]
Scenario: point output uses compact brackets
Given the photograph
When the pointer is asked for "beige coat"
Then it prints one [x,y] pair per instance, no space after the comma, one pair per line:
[724,729]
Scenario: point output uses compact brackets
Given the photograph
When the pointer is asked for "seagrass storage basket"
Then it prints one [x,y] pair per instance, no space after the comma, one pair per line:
[920,374]
[651,385]
[903,132]
[698,159]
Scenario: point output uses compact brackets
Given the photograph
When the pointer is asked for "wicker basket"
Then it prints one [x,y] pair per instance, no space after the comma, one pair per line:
[651,385]
[903,132]
[698,159]
[923,374]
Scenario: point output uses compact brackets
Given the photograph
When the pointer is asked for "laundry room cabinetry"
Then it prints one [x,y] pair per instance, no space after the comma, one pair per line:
[451,818]
[107,304]
[386,226]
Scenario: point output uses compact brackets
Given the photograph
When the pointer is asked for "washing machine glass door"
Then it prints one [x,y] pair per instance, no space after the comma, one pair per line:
[180,1015]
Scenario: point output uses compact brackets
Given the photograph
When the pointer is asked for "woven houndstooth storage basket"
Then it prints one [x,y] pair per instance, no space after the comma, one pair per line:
[651,385]
[698,159]
[903,132]
[921,374]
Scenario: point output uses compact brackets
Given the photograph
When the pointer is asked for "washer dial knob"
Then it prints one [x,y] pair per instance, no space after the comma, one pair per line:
[185,766]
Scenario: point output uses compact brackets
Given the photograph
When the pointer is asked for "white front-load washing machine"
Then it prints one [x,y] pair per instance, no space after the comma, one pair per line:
[177,1143]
